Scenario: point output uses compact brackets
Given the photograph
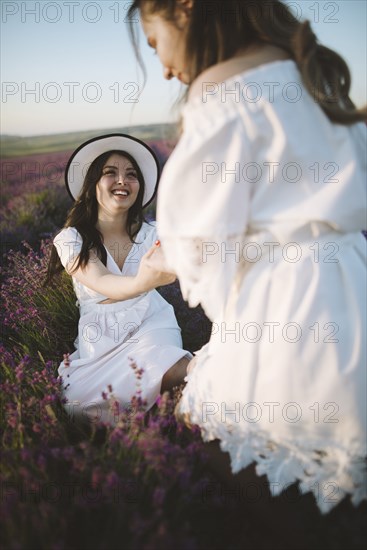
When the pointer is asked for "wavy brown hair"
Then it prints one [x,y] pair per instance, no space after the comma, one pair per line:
[83,215]
[219,28]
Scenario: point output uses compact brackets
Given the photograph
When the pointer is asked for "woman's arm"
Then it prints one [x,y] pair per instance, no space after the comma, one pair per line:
[204,205]
[116,287]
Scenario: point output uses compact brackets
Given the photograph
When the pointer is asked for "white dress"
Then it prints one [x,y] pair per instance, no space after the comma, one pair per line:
[112,336]
[260,212]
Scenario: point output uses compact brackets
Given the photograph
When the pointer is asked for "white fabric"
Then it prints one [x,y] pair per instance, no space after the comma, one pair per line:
[270,244]
[143,329]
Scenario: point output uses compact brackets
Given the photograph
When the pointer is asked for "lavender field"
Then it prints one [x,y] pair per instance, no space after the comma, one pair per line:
[146,484]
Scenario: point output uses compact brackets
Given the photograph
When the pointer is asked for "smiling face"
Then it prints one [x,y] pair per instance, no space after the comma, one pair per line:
[168,39]
[118,187]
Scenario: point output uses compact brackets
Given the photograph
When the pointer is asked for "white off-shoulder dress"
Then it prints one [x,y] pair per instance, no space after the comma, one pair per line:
[112,337]
[260,212]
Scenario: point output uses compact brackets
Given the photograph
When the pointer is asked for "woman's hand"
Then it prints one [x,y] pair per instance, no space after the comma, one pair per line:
[153,271]
[157,259]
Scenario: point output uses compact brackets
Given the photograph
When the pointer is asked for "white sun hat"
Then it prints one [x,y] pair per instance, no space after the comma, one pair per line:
[86,153]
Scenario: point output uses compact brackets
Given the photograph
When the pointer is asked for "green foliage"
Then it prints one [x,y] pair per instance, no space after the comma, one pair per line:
[33,215]
[15,146]
[37,319]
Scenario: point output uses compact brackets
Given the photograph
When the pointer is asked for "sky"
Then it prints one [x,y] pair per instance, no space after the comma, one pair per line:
[69,65]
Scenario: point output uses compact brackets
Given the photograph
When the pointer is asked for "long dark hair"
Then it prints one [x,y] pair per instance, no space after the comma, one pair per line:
[218,29]
[83,215]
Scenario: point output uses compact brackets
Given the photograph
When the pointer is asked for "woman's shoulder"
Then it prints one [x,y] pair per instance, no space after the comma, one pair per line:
[68,234]
[236,65]
[68,243]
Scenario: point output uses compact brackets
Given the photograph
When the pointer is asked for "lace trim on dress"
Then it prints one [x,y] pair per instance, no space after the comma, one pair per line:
[329,469]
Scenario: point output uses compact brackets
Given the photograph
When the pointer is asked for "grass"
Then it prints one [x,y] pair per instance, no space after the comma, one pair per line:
[16,146]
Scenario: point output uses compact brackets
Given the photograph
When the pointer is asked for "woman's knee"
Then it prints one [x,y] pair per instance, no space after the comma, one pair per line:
[175,374]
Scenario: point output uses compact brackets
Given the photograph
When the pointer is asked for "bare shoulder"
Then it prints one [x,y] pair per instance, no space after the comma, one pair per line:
[235,65]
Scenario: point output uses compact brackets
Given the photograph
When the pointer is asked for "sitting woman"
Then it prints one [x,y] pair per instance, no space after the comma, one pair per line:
[128,337]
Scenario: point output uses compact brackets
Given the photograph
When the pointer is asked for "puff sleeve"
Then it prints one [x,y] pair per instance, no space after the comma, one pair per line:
[68,244]
[203,207]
